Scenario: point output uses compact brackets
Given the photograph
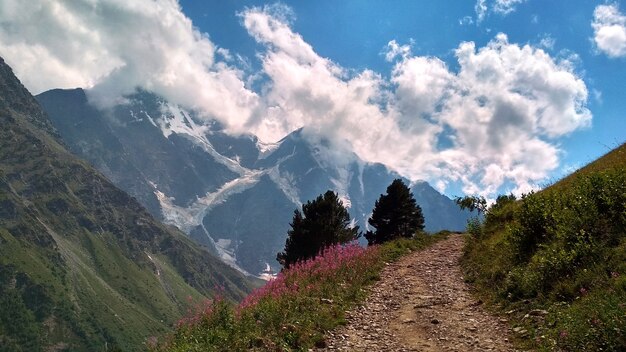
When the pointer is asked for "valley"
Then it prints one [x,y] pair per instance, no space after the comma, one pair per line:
[263,175]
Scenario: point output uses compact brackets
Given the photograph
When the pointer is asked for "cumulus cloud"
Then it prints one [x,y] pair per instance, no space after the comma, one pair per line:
[394,50]
[609,26]
[504,106]
[308,90]
[501,111]
[115,46]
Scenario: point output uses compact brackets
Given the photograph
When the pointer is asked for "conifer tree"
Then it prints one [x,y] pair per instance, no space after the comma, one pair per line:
[323,222]
[396,214]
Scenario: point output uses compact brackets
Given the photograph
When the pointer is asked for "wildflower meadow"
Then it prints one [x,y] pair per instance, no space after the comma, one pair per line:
[295,309]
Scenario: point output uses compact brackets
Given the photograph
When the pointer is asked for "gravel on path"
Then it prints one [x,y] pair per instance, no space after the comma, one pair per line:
[422,303]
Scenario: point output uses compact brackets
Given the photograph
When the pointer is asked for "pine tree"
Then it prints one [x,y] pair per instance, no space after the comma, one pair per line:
[396,214]
[323,222]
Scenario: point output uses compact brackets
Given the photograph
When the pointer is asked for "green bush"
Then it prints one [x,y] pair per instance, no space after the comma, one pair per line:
[474,227]
[535,224]
[502,211]
[563,250]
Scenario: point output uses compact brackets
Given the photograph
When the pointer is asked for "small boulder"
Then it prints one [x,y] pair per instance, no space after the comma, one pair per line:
[538,312]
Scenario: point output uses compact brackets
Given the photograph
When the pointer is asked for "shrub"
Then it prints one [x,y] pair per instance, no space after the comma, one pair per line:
[474,227]
[563,250]
[501,212]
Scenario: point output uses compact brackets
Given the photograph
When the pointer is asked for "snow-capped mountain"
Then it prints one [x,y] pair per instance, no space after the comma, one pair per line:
[233,194]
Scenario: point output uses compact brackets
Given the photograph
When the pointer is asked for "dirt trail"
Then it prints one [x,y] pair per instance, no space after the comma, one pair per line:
[422,304]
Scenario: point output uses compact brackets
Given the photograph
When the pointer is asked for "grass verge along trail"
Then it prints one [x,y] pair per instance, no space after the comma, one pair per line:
[295,310]
[422,303]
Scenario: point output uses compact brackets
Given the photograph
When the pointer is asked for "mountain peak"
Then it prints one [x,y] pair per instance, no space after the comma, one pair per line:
[15,97]
[230,192]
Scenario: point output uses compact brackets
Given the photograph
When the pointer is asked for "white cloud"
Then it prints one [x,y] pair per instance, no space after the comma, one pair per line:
[505,7]
[394,50]
[609,26]
[501,7]
[597,96]
[421,83]
[466,20]
[114,46]
[481,10]
[534,19]
[441,186]
[547,42]
[504,107]
[506,104]
[501,112]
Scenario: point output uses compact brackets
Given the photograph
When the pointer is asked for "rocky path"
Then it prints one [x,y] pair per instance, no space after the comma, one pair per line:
[422,304]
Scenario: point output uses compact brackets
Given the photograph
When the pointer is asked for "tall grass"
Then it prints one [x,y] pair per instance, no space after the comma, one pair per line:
[293,311]
[562,250]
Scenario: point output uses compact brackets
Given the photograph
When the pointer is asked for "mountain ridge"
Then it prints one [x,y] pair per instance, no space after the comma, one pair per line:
[193,174]
[82,264]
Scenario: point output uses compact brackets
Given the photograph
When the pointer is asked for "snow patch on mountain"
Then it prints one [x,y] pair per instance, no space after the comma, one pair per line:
[173,214]
[341,184]
[361,167]
[285,182]
[136,117]
[186,218]
[338,170]
[150,119]
[226,252]
[174,119]
[345,200]
[266,149]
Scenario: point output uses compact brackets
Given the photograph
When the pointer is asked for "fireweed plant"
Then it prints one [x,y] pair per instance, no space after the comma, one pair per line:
[294,310]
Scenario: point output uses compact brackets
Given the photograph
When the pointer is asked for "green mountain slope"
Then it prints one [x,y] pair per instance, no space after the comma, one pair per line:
[556,259]
[83,266]
[613,160]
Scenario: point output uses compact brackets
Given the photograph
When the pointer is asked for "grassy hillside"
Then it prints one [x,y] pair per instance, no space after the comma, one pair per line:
[83,266]
[555,260]
[292,312]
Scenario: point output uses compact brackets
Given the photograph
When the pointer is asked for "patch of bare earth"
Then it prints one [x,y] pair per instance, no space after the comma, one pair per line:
[422,303]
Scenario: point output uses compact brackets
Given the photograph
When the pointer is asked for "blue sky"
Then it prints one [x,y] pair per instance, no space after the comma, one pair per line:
[354,33]
[484,96]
